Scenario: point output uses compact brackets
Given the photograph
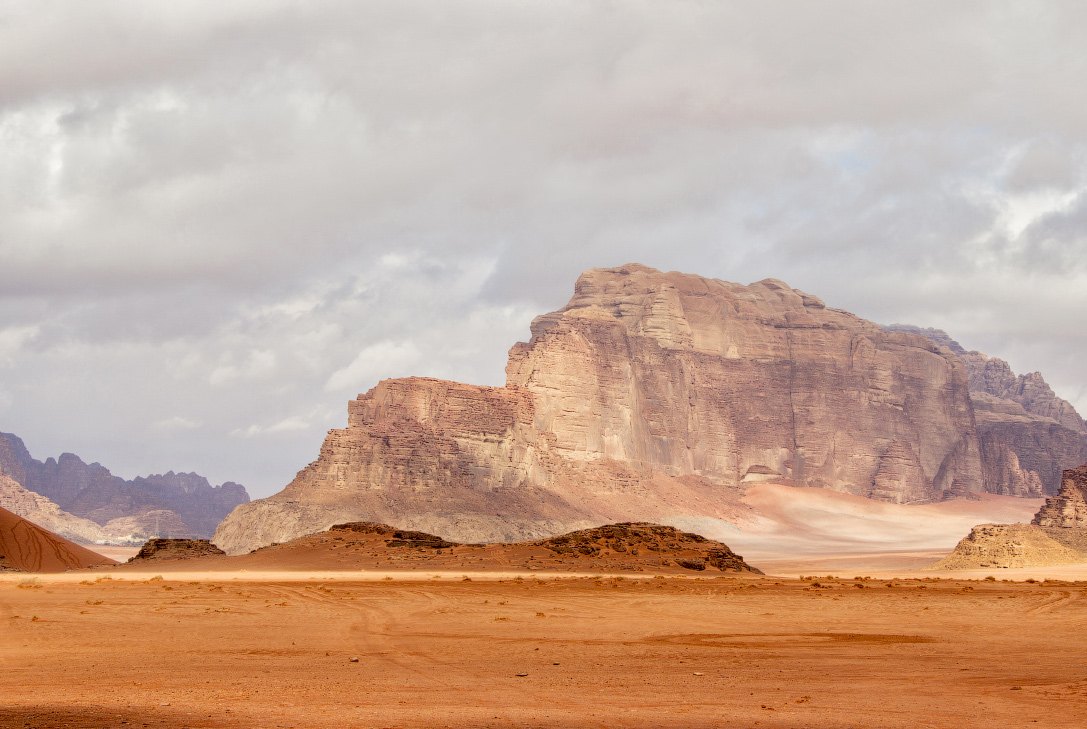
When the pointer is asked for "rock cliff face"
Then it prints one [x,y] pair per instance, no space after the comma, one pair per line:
[43,512]
[1068,509]
[171,504]
[1027,435]
[649,396]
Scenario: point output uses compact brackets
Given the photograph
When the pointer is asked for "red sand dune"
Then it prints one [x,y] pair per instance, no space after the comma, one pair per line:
[26,547]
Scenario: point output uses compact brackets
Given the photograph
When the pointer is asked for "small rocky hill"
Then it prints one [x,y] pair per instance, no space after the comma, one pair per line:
[634,547]
[1008,545]
[1057,535]
[161,549]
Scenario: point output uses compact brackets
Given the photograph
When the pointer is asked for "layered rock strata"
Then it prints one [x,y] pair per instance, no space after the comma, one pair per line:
[1006,546]
[1026,434]
[170,504]
[649,396]
[1068,509]
[1056,535]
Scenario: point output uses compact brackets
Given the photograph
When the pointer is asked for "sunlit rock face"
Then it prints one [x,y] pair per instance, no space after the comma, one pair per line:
[1068,509]
[650,396]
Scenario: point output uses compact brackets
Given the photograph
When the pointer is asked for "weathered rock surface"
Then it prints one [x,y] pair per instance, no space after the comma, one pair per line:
[635,547]
[649,396]
[687,550]
[43,512]
[1057,534]
[174,504]
[1026,434]
[1068,509]
[159,549]
[1006,546]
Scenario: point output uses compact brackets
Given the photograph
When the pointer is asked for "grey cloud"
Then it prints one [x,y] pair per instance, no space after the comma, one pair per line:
[219,221]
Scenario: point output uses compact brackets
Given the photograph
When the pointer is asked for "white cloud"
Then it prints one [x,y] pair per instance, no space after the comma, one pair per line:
[258,363]
[176,422]
[376,361]
[287,425]
[247,211]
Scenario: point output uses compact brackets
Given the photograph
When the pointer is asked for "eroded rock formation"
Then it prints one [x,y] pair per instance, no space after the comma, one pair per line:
[649,396]
[170,504]
[1005,546]
[1068,509]
[174,549]
[1056,535]
[1026,434]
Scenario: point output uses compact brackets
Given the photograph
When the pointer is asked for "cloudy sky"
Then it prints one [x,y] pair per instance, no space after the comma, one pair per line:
[219,221]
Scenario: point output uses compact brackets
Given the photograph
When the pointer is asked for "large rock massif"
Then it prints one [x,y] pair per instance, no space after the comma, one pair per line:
[649,396]
[1026,434]
[72,498]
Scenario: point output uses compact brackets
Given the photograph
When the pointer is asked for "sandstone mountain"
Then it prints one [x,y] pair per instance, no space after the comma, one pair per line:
[171,504]
[1026,434]
[649,396]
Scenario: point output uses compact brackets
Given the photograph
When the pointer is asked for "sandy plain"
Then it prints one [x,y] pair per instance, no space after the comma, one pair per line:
[732,651]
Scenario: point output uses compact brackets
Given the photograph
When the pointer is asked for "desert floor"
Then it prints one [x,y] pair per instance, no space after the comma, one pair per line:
[540,652]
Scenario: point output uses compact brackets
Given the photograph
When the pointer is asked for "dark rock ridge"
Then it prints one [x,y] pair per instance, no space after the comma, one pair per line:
[649,396]
[173,549]
[179,504]
[1027,435]
[615,539]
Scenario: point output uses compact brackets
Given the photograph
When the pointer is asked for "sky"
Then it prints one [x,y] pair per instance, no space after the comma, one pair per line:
[220,221]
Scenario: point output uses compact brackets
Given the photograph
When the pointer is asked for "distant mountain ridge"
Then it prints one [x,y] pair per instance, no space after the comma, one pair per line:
[169,504]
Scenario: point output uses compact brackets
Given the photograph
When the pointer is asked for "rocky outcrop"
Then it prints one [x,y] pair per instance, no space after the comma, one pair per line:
[170,504]
[612,548]
[43,512]
[689,551]
[174,549]
[1005,546]
[1026,434]
[1057,534]
[649,396]
[1068,509]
